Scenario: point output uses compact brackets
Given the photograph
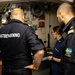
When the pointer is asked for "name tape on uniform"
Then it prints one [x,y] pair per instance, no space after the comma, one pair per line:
[12,35]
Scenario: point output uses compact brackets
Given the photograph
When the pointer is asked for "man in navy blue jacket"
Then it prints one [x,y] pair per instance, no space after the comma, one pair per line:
[17,42]
[65,14]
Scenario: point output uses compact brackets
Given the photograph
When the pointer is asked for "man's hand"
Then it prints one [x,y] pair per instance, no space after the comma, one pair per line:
[31,67]
[37,60]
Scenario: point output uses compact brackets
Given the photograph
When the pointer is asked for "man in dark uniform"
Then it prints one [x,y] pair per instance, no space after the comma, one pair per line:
[65,14]
[17,42]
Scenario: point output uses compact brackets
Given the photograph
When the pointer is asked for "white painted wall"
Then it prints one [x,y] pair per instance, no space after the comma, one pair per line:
[50,19]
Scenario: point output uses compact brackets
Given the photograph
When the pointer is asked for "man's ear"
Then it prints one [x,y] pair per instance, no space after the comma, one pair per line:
[62,17]
[23,17]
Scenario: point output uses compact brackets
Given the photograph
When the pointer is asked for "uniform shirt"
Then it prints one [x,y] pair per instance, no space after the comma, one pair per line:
[69,45]
[67,65]
[17,41]
[57,53]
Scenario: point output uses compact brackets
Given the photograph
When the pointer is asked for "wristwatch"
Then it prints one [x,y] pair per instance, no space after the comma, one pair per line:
[34,67]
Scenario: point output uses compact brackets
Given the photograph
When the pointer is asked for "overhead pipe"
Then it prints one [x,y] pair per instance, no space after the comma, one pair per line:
[12,1]
[68,1]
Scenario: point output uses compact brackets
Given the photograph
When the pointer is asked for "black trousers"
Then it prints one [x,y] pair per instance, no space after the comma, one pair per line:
[70,69]
[67,69]
[23,71]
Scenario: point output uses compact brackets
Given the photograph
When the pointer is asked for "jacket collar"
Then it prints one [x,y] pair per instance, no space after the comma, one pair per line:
[15,20]
[68,25]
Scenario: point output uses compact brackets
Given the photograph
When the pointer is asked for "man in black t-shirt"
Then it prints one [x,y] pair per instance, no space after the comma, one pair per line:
[17,42]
